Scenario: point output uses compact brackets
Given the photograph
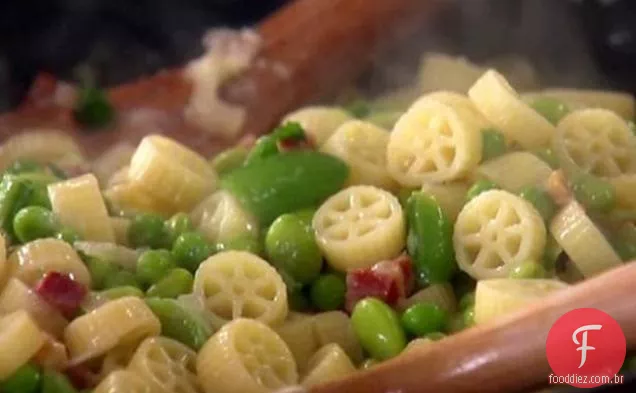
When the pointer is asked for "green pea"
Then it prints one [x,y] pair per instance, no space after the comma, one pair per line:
[552,109]
[298,301]
[178,224]
[548,156]
[478,187]
[34,222]
[190,249]
[404,195]
[26,379]
[469,316]
[467,300]
[291,246]
[92,108]
[120,279]
[177,282]
[528,269]
[328,292]
[229,159]
[99,270]
[247,242]
[368,363]
[423,318]
[179,323]
[435,336]
[493,144]
[123,291]
[153,265]
[541,201]
[593,192]
[378,329]
[55,382]
[148,230]
[68,235]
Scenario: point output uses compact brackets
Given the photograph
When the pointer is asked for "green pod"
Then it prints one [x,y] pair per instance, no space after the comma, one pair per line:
[55,382]
[430,239]
[268,145]
[285,183]
[229,159]
[378,329]
[178,282]
[26,379]
[179,323]
[291,246]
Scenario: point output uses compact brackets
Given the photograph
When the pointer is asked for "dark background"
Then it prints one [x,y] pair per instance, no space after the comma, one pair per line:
[587,43]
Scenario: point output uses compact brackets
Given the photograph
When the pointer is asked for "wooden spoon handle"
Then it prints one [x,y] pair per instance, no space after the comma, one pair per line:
[315,47]
[507,356]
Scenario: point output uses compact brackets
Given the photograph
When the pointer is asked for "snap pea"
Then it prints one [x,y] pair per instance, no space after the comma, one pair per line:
[378,329]
[34,222]
[528,269]
[593,192]
[121,278]
[328,292]
[179,323]
[246,242]
[467,300]
[435,336]
[148,230]
[190,249]
[268,145]
[493,144]
[68,235]
[468,316]
[55,382]
[430,239]
[285,183]
[424,318]
[551,109]
[26,379]
[123,291]
[153,265]
[229,159]
[541,201]
[99,270]
[17,192]
[291,246]
[176,225]
[176,282]
[478,187]
[548,156]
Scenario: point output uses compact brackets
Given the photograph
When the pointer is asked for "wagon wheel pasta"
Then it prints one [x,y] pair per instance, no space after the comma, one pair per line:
[597,141]
[497,297]
[363,147]
[459,102]
[514,171]
[33,260]
[294,331]
[44,146]
[121,322]
[112,160]
[171,173]
[334,327]
[238,284]
[245,356]
[78,204]
[166,365]
[20,339]
[328,364]
[584,243]
[503,107]
[494,231]
[123,381]
[359,226]
[319,122]
[221,218]
[433,142]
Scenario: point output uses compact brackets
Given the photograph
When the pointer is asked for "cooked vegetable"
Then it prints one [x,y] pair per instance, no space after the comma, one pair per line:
[179,323]
[493,144]
[378,329]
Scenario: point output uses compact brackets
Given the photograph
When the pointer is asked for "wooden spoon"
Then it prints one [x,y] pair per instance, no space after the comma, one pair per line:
[321,44]
[508,356]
